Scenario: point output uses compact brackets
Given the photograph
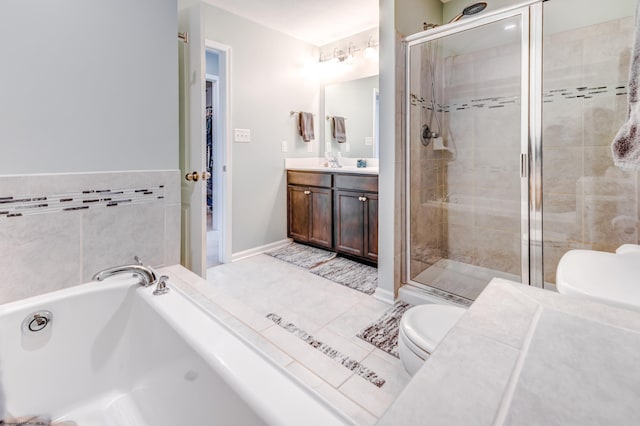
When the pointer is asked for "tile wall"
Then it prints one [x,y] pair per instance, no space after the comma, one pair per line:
[465,202]
[57,230]
[588,202]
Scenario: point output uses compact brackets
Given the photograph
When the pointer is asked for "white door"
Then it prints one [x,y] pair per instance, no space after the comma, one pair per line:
[192,143]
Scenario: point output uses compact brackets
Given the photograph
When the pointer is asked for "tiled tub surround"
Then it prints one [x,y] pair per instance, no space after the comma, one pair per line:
[57,230]
[525,356]
[588,202]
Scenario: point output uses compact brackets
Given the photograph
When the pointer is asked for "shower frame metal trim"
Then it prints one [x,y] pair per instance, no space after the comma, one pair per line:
[530,13]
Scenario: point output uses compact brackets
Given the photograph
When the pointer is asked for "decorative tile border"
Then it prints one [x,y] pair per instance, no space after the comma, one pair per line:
[583,92]
[17,206]
[327,350]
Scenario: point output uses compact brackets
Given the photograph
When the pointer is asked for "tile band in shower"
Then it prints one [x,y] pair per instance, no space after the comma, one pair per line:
[327,350]
[18,206]
[582,92]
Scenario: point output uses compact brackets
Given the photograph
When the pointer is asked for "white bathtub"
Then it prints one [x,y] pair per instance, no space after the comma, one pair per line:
[116,355]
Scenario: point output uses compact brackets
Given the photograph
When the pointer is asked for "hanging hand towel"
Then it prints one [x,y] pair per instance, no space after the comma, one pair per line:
[626,144]
[305,126]
[339,130]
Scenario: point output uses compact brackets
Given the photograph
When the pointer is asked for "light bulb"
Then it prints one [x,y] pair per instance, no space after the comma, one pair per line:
[370,52]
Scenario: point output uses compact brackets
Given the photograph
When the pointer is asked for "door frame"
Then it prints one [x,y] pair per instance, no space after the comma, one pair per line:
[530,136]
[224,144]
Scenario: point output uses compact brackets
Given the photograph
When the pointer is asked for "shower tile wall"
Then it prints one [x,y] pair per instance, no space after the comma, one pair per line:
[57,230]
[470,196]
[482,177]
[588,202]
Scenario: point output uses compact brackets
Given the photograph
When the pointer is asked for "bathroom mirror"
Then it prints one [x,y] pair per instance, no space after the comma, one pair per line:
[357,102]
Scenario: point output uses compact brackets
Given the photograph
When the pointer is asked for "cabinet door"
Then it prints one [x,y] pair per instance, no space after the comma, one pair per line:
[321,217]
[371,227]
[349,222]
[298,212]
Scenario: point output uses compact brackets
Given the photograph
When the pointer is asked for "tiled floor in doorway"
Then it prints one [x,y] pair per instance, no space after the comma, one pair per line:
[243,293]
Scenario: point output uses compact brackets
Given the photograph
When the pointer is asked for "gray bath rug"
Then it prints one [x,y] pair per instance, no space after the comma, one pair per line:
[329,351]
[352,274]
[301,255]
[383,333]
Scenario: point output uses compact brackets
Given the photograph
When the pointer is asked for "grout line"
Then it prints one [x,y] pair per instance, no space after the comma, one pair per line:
[507,398]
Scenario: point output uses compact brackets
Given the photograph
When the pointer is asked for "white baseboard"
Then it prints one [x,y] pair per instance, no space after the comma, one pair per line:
[259,250]
[383,295]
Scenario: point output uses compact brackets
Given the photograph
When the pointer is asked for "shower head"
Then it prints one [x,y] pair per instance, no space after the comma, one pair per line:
[470,10]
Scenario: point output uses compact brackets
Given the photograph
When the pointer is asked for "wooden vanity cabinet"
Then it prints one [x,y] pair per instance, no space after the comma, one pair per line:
[355,216]
[309,208]
[336,211]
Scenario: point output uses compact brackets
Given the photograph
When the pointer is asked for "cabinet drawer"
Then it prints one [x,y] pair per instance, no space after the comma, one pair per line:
[356,182]
[309,179]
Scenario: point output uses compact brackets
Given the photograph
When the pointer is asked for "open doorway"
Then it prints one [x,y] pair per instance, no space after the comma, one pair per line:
[216,160]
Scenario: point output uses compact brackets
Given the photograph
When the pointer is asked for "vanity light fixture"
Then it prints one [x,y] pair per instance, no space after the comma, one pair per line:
[370,52]
[348,57]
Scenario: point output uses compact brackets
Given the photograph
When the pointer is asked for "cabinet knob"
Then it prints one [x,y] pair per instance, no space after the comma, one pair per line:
[307,192]
[362,198]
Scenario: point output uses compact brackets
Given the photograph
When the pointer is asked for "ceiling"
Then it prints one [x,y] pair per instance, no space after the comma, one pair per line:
[318,22]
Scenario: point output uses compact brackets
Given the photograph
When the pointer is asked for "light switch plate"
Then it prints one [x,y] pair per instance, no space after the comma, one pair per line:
[368,140]
[309,147]
[347,147]
[327,147]
[242,135]
[284,146]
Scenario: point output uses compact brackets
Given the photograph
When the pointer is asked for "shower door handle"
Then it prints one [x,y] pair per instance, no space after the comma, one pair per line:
[524,165]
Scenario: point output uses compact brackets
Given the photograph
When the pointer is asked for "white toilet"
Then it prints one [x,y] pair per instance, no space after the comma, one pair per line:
[421,329]
[612,278]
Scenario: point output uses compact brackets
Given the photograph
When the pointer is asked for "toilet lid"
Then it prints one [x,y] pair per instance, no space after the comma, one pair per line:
[602,276]
[426,325]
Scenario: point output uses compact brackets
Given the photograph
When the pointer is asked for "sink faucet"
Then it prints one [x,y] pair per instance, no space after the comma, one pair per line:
[147,275]
[334,162]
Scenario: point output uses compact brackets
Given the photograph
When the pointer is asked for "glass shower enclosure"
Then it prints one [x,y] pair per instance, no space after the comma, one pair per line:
[488,99]
[471,151]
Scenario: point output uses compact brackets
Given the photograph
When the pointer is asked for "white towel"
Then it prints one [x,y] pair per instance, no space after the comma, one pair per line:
[626,145]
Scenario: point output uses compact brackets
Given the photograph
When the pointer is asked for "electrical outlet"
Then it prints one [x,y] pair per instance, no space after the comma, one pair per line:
[309,147]
[368,140]
[347,147]
[242,135]
[284,146]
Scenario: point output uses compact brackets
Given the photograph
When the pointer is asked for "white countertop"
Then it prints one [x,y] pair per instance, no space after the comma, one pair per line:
[316,164]
[525,356]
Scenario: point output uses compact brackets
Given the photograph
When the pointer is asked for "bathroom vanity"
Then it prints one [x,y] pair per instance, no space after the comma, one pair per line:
[335,209]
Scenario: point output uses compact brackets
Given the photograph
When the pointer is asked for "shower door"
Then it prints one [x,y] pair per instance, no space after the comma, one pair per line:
[468,155]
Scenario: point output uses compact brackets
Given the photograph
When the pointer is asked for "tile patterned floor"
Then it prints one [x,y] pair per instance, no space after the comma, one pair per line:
[243,293]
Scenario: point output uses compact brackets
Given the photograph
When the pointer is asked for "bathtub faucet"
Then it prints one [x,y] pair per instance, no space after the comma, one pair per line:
[147,275]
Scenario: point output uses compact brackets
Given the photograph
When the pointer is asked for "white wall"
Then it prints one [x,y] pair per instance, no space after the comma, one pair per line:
[88,85]
[271,75]
[212,63]
[410,15]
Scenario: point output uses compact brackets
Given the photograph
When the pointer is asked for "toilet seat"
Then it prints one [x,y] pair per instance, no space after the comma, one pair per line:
[421,329]
[606,277]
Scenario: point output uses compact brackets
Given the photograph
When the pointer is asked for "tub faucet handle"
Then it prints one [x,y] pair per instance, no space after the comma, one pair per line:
[161,288]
